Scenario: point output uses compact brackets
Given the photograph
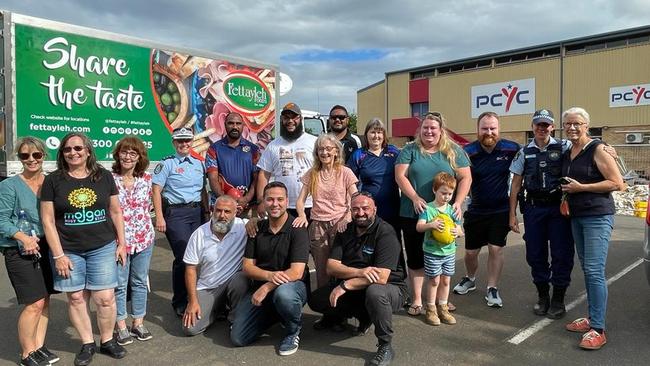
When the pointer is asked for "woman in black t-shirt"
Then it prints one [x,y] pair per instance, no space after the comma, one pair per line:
[83,224]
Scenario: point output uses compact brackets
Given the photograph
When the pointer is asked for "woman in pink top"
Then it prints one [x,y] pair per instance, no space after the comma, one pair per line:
[330,183]
[134,186]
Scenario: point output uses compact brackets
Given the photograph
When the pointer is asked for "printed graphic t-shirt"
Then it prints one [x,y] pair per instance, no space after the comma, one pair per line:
[81,209]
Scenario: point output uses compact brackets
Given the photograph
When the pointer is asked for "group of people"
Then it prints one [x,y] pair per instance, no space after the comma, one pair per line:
[355,204]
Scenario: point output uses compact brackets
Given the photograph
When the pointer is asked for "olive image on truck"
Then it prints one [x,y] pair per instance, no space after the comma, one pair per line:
[59,78]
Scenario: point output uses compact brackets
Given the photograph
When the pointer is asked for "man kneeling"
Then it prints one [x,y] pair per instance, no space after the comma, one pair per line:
[367,263]
[213,260]
[276,262]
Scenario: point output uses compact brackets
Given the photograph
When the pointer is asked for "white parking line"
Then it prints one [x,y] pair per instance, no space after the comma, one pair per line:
[540,324]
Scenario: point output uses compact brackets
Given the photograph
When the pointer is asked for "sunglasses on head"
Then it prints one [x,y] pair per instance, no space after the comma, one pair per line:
[77,148]
[25,156]
[340,117]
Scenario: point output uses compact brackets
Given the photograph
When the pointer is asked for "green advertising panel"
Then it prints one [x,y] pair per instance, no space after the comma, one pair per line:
[106,89]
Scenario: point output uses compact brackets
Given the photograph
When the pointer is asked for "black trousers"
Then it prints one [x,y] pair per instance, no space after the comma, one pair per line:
[376,304]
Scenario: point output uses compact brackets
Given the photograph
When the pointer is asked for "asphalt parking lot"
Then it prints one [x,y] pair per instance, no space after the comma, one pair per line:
[512,335]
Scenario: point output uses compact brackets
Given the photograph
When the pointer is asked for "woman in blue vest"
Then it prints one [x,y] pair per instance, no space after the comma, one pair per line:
[590,175]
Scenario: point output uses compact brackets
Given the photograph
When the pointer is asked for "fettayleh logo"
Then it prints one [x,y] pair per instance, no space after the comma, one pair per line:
[247,93]
[629,96]
[505,98]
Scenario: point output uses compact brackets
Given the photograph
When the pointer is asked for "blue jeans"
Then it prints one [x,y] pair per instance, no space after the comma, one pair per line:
[134,272]
[284,304]
[591,235]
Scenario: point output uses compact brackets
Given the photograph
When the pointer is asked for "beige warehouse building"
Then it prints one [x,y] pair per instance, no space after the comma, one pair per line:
[607,74]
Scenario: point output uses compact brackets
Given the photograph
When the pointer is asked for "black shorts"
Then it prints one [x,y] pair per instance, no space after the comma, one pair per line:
[481,230]
[31,280]
[412,243]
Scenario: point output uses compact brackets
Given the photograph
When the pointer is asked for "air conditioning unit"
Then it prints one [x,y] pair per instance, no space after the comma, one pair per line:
[634,138]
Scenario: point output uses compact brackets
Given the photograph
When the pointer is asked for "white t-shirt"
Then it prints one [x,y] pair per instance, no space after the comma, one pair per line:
[288,162]
[217,260]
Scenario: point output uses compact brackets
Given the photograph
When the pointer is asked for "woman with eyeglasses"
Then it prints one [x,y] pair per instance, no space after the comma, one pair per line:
[432,152]
[83,224]
[27,254]
[134,186]
[374,165]
[330,183]
[590,175]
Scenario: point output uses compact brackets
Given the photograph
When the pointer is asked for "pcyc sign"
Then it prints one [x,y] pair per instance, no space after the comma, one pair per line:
[506,98]
[629,96]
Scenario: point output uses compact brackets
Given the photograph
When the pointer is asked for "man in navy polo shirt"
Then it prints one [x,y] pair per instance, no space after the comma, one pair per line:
[231,164]
[487,217]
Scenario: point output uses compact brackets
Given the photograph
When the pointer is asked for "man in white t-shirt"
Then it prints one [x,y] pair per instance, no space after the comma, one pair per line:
[213,260]
[286,159]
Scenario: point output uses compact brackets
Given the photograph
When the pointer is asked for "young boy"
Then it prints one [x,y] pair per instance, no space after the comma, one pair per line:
[440,253]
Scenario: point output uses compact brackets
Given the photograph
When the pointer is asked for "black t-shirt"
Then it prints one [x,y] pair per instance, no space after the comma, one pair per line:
[377,247]
[276,252]
[350,143]
[81,209]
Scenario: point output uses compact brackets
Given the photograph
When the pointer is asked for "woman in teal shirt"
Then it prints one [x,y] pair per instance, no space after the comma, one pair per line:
[30,274]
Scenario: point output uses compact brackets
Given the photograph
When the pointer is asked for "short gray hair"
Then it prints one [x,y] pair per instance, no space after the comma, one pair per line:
[581,112]
[226,198]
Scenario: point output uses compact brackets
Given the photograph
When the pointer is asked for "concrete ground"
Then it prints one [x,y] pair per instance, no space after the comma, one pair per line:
[512,335]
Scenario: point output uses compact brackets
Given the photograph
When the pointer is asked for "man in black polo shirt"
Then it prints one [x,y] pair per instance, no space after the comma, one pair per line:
[367,263]
[339,126]
[276,262]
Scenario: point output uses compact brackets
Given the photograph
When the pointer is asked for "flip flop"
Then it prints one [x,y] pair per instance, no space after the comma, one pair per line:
[415,310]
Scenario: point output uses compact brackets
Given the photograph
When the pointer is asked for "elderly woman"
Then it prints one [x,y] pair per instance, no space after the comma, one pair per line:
[28,267]
[331,184]
[432,152]
[374,165]
[591,174]
[134,186]
[83,224]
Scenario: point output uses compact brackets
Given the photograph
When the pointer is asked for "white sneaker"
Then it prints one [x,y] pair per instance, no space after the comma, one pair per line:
[466,285]
[493,298]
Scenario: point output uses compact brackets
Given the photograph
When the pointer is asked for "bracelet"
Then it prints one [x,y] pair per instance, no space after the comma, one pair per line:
[342,285]
[59,256]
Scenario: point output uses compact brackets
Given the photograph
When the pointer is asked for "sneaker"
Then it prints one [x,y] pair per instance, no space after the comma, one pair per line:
[48,355]
[593,340]
[384,355]
[466,285]
[493,298]
[123,337]
[112,349]
[85,355]
[33,359]
[289,344]
[580,325]
[141,333]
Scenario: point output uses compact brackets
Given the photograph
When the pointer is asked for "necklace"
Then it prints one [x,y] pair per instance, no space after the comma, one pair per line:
[326,175]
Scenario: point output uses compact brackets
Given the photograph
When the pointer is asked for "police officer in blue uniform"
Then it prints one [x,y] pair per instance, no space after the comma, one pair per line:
[180,203]
[537,169]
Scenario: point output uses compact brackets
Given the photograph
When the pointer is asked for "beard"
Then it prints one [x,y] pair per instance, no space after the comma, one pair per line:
[290,136]
[221,227]
[364,222]
[234,134]
[338,128]
[488,140]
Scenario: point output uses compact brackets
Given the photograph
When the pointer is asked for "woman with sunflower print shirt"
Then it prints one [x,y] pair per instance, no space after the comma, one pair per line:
[83,224]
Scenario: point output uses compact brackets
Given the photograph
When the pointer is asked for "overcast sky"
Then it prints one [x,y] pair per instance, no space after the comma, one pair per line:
[333,48]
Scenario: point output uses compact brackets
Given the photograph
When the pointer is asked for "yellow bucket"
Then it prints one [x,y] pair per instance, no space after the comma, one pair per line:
[640,208]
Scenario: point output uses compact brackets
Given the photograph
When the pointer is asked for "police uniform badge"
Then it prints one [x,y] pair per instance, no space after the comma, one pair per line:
[554,155]
[158,168]
[246,149]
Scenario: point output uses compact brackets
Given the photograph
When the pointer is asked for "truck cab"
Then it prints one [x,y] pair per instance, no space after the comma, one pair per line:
[314,123]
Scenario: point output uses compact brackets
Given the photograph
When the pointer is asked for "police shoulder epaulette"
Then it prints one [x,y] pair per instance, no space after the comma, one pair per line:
[167,157]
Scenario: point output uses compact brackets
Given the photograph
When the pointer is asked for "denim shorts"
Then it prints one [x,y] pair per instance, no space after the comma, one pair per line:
[92,270]
[436,265]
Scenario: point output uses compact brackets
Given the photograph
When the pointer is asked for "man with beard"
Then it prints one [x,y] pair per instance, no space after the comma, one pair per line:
[338,126]
[287,158]
[486,220]
[275,260]
[368,266]
[213,260]
[231,164]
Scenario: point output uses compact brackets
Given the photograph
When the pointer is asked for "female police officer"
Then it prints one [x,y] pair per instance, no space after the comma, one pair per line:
[180,201]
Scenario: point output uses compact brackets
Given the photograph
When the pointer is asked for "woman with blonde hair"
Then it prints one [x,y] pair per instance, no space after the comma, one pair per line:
[330,183]
[432,152]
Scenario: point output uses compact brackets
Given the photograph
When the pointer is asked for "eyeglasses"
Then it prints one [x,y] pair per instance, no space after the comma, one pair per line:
[183,141]
[340,117]
[36,155]
[326,148]
[290,116]
[130,154]
[569,125]
[68,149]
